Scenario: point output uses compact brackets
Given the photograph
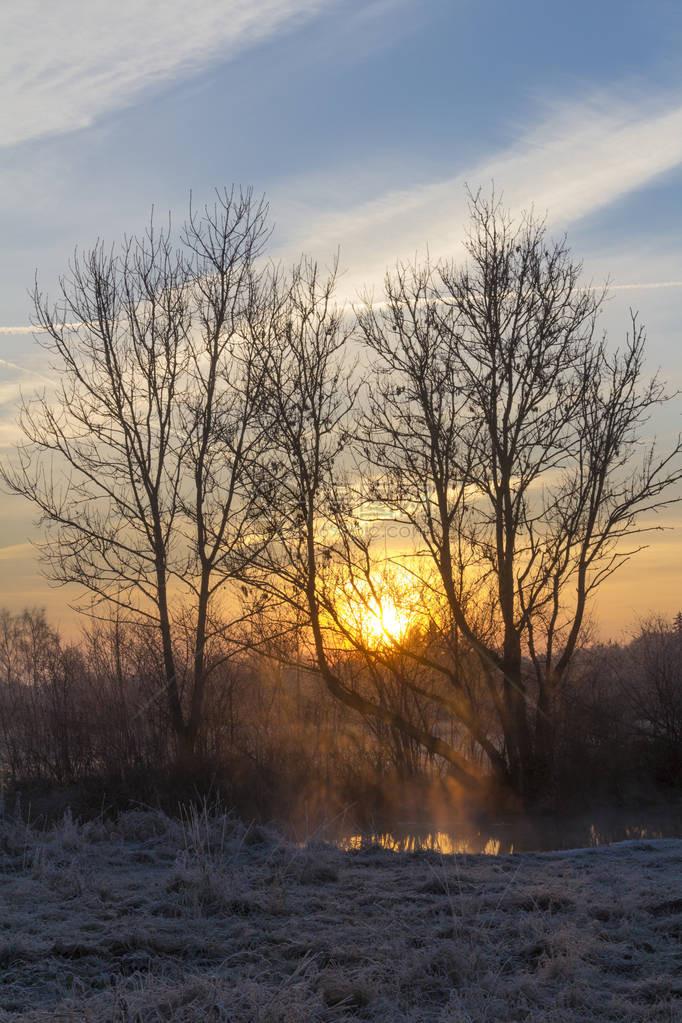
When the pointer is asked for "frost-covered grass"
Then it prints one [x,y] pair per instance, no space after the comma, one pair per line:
[148,918]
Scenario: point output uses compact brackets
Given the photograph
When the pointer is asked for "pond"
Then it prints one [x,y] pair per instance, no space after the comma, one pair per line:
[518,832]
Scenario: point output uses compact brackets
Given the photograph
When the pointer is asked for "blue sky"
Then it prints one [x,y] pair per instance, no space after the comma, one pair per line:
[361,121]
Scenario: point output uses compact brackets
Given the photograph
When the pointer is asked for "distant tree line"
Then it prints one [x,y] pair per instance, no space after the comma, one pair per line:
[219,423]
[86,717]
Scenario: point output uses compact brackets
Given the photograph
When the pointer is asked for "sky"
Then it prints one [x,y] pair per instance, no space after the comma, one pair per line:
[361,122]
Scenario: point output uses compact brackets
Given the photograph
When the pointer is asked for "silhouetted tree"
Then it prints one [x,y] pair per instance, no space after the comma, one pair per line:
[509,436]
[319,569]
[653,683]
[209,427]
[137,460]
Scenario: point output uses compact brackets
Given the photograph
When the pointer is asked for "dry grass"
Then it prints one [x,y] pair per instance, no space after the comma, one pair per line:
[150,919]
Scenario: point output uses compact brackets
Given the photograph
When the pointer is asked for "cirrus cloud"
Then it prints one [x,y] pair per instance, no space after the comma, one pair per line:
[62,65]
[576,161]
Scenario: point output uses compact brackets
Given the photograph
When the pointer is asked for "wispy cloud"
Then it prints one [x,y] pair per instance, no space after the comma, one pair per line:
[64,64]
[15,380]
[577,161]
[580,158]
[31,373]
[16,550]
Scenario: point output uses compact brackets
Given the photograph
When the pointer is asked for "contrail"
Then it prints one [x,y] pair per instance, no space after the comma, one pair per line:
[74,326]
[39,330]
[25,369]
[636,287]
[13,365]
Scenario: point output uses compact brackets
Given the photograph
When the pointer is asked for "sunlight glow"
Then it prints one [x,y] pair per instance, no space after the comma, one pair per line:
[436,841]
[386,619]
[383,608]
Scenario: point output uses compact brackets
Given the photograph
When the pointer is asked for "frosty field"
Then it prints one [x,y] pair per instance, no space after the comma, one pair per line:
[148,918]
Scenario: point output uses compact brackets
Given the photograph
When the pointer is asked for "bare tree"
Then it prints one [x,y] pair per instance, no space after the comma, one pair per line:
[43,720]
[137,461]
[209,428]
[319,569]
[509,436]
[653,685]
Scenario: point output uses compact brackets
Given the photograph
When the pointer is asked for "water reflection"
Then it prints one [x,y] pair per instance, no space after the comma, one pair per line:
[519,833]
[436,841]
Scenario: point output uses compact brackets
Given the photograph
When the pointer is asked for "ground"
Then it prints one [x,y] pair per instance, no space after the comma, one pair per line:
[147,918]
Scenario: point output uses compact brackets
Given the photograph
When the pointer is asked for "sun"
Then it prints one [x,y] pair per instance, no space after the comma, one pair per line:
[385,620]
[381,609]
